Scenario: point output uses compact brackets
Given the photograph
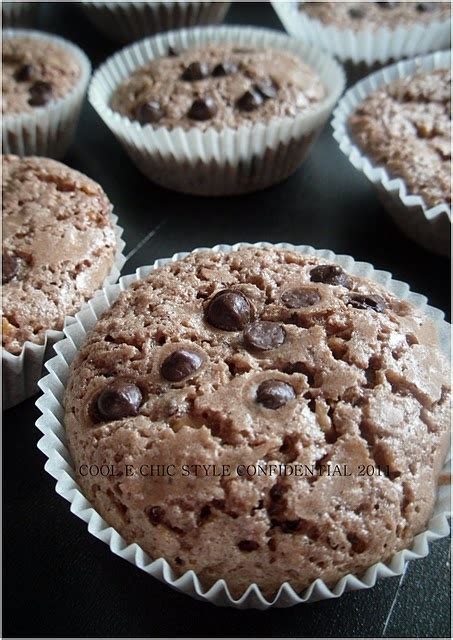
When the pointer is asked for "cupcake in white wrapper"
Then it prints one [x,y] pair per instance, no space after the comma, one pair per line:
[224,160]
[127,21]
[60,466]
[19,14]
[21,372]
[49,129]
[368,45]
[428,226]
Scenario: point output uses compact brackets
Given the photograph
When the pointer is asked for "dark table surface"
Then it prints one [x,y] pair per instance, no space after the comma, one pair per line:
[61,581]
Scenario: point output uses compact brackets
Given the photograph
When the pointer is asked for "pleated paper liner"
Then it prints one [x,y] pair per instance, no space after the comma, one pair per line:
[47,131]
[225,162]
[428,226]
[129,21]
[21,372]
[59,465]
[365,45]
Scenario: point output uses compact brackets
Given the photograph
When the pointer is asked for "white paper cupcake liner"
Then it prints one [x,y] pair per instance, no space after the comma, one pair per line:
[128,21]
[21,372]
[19,14]
[59,465]
[225,162]
[428,226]
[364,45]
[49,130]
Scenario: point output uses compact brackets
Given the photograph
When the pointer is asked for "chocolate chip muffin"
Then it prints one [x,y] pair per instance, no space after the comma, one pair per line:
[35,73]
[221,365]
[373,15]
[218,86]
[406,127]
[58,246]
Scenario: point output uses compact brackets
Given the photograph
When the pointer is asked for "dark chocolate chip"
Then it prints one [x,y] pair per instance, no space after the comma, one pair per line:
[330,274]
[290,526]
[149,112]
[195,71]
[156,514]
[425,7]
[40,93]
[202,109]
[248,545]
[300,297]
[273,394]
[356,12]
[264,335]
[173,52]
[180,364]
[387,5]
[267,88]
[374,302]
[250,100]
[277,492]
[24,73]
[229,310]
[224,69]
[119,400]
[10,266]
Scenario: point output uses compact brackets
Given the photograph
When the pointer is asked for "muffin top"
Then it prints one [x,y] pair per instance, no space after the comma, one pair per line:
[35,73]
[360,15]
[58,246]
[249,359]
[406,126]
[218,86]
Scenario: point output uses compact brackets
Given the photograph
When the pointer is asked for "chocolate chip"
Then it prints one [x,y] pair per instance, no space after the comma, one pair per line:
[248,545]
[249,100]
[356,13]
[290,526]
[156,514]
[149,112]
[224,69]
[202,109]
[119,400]
[173,52]
[425,7]
[277,492]
[387,5]
[330,274]
[10,266]
[264,335]
[374,302]
[229,310]
[24,73]
[273,394]
[267,88]
[180,364]
[40,93]
[195,71]
[300,297]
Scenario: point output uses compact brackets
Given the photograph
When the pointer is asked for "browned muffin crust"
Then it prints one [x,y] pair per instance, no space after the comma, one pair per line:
[373,15]
[218,86]
[58,246]
[35,72]
[406,127]
[261,357]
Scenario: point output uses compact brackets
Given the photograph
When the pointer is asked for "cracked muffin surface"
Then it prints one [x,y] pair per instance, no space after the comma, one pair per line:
[249,359]
[219,86]
[58,246]
[406,126]
[374,15]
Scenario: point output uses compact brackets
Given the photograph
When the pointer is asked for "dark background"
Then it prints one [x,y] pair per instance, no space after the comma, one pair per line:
[61,581]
